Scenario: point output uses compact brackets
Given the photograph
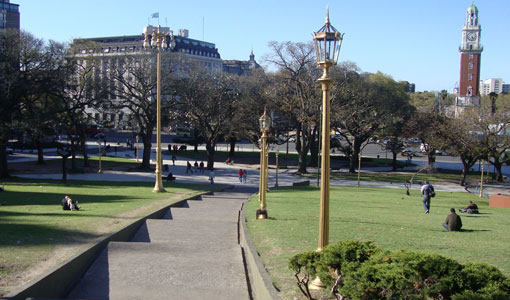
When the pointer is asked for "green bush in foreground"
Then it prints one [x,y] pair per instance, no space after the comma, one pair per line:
[361,270]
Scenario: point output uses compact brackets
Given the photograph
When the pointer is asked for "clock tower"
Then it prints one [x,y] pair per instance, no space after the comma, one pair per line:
[470,56]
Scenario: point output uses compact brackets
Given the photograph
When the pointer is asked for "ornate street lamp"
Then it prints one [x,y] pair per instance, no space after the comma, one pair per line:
[99,141]
[327,42]
[265,125]
[158,40]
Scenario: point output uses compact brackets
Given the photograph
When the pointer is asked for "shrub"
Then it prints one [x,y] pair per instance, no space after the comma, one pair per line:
[304,267]
[343,258]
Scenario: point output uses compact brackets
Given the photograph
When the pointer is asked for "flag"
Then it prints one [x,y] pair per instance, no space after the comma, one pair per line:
[155,15]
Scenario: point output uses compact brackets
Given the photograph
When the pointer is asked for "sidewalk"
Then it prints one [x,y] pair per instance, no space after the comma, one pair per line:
[194,252]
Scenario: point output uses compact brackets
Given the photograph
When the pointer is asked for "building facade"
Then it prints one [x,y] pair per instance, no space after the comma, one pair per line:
[470,62]
[241,67]
[491,85]
[9,15]
[108,51]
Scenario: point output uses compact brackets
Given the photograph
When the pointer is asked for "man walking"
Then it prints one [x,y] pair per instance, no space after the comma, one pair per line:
[453,221]
[427,190]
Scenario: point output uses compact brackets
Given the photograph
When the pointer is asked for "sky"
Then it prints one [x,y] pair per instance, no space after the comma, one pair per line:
[411,40]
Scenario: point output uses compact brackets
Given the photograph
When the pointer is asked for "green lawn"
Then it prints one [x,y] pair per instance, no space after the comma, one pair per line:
[37,234]
[386,216]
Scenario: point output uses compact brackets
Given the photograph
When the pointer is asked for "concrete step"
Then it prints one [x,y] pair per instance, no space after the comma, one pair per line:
[163,271]
[208,210]
[203,233]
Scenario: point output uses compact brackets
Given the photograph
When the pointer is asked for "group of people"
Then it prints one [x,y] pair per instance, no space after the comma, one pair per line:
[243,175]
[453,221]
[197,167]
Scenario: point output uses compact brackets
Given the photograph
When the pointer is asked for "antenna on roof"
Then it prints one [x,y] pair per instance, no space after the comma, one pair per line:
[203,28]
[166,22]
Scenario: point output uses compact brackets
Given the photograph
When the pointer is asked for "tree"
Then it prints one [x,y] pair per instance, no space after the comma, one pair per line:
[460,137]
[132,88]
[364,104]
[496,140]
[208,102]
[298,93]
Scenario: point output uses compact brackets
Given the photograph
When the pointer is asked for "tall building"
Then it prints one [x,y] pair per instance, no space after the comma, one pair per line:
[491,85]
[409,87]
[9,15]
[470,57]
[109,50]
[506,88]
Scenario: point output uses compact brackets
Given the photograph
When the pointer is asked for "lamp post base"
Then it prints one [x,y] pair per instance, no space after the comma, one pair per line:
[316,284]
[261,214]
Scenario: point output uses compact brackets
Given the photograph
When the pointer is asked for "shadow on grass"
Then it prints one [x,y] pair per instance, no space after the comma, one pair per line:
[15,234]
[18,198]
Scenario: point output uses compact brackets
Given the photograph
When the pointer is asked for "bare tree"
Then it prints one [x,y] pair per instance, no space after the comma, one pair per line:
[208,102]
[298,93]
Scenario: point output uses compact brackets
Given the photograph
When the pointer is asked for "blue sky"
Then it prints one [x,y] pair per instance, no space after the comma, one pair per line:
[413,40]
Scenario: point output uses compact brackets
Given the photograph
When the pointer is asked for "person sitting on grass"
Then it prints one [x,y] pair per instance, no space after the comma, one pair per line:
[170,177]
[472,208]
[69,204]
[453,221]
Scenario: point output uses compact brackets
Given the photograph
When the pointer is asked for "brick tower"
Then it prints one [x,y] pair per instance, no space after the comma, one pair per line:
[470,56]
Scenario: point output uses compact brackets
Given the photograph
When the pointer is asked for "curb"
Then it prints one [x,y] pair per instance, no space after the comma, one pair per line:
[261,286]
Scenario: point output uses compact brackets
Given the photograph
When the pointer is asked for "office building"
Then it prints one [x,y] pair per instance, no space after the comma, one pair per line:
[9,15]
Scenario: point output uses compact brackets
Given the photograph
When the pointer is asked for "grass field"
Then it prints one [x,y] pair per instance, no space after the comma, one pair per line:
[386,216]
[37,234]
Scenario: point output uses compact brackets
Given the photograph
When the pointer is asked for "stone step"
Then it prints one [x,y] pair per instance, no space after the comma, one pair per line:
[164,271]
[208,210]
[205,233]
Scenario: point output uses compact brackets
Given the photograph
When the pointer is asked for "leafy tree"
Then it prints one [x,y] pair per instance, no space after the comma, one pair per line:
[460,137]
[363,105]
[496,140]
[298,93]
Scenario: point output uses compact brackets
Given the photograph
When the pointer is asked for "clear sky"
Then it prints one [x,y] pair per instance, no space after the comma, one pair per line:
[413,40]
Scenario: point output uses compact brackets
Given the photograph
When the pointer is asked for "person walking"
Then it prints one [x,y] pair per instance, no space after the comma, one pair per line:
[202,166]
[453,221]
[188,168]
[240,173]
[427,190]
[245,176]
[173,159]
[195,165]
[211,176]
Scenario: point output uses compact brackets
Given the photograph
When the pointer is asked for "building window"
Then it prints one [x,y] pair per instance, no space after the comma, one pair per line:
[471,56]
[470,66]
[470,76]
[469,90]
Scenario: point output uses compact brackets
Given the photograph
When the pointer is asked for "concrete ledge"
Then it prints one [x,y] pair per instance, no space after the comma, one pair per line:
[499,200]
[261,286]
[301,183]
[59,281]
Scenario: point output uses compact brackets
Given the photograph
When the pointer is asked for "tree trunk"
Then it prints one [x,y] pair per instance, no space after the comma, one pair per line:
[314,149]
[497,165]
[353,163]
[394,162]
[83,150]
[232,150]
[431,160]
[4,170]
[209,147]
[146,156]
[73,155]
[40,153]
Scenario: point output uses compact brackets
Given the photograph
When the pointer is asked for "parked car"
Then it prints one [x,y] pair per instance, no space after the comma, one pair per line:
[440,152]
[9,150]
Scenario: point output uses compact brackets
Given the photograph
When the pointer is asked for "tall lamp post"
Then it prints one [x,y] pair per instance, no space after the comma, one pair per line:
[265,125]
[100,170]
[158,40]
[276,163]
[327,42]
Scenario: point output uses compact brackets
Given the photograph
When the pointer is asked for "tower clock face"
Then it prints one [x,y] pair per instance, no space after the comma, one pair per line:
[471,36]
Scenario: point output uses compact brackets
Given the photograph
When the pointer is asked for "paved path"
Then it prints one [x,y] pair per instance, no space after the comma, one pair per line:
[192,253]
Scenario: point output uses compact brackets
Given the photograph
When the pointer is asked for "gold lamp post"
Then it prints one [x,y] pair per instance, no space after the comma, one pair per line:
[158,40]
[276,163]
[265,125]
[327,42]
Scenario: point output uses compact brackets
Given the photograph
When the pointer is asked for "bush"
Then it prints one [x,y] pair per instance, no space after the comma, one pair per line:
[361,270]
[304,267]
[343,258]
